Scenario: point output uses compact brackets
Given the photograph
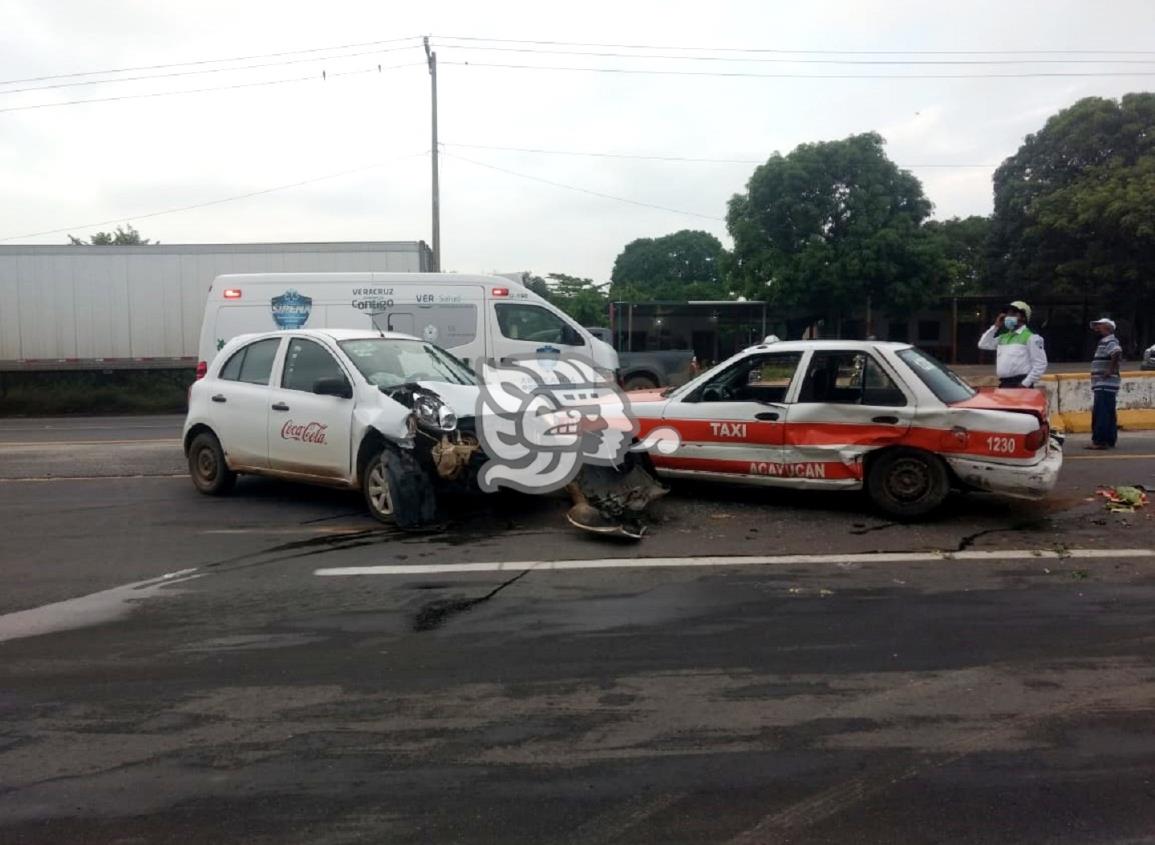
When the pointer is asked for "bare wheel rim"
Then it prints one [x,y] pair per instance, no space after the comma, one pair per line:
[378,486]
[206,465]
[909,480]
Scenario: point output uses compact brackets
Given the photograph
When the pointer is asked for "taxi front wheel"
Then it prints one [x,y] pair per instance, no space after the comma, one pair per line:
[206,464]
[907,483]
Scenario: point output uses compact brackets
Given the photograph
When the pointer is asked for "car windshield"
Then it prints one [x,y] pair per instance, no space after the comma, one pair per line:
[387,362]
[943,382]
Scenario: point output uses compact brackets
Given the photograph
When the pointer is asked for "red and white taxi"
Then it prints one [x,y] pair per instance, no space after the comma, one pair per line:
[849,415]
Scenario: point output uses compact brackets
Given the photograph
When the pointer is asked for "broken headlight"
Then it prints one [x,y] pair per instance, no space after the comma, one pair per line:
[432,413]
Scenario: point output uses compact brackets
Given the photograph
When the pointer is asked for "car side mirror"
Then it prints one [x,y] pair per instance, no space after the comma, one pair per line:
[571,337]
[334,386]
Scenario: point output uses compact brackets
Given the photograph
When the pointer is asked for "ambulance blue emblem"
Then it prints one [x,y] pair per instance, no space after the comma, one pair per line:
[291,309]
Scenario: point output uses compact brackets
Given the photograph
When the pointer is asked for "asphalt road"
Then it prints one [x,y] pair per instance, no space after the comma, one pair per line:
[986,677]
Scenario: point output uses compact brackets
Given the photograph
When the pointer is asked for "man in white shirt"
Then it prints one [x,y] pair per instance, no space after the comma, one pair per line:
[1020,359]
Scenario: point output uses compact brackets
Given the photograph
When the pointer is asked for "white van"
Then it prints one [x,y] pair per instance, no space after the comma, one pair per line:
[471,316]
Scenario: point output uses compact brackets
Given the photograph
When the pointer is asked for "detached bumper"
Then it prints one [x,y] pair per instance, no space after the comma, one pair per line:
[1021,481]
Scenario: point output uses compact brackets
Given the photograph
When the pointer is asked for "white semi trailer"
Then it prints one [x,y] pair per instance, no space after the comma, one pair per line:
[141,307]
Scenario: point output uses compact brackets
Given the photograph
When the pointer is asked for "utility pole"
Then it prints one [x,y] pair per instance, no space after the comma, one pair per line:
[431,57]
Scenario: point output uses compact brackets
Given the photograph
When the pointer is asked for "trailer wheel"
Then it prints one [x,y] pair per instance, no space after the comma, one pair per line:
[397,491]
[206,464]
[907,483]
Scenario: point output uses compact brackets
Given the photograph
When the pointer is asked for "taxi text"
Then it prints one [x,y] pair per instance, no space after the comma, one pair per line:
[799,470]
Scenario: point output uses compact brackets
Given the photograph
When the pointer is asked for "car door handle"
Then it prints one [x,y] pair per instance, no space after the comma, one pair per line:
[220,397]
[280,406]
[886,420]
[766,415]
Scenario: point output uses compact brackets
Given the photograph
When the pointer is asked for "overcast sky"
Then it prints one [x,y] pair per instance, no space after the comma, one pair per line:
[121,160]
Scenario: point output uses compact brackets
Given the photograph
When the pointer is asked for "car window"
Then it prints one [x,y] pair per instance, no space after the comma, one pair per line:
[253,363]
[231,371]
[943,382]
[519,321]
[758,378]
[388,362]
[849,378]
[305,362]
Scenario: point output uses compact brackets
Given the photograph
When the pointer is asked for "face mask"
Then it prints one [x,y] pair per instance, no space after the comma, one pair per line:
[1011,323]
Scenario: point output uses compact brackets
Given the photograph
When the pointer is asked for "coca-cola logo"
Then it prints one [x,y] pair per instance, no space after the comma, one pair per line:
[312,432]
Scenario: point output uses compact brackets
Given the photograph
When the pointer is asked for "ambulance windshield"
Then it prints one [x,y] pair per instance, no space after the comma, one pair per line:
[388,362]
[943,382]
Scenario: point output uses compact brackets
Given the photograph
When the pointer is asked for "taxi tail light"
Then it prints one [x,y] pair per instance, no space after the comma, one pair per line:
[202,369]
[1037,439]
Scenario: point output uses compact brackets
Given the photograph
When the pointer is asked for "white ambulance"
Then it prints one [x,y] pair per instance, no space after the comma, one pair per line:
[472,317]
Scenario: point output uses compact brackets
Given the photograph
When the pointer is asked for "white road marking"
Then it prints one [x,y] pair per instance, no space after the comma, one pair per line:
[24,444]
[40,479]
[773,560]
[84,611]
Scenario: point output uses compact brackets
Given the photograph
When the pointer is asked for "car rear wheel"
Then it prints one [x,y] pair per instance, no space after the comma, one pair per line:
[907,483]
[397,491]
[206,464]
[640,383]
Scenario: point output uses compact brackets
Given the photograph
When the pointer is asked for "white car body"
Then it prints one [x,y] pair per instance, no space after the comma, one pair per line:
[473,317]
[805,428]
[279,427]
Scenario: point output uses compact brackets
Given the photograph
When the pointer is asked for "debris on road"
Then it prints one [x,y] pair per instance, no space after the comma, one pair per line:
[610,502]
[1123,499]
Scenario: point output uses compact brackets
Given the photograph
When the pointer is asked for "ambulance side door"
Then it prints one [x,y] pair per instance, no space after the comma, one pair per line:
[849,403]
[521,327]
[449,316]
[732,426]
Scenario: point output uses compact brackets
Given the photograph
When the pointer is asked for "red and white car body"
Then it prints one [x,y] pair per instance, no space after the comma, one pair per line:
[816,414]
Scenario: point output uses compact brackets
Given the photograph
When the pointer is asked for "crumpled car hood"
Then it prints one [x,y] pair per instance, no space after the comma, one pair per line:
[462,398]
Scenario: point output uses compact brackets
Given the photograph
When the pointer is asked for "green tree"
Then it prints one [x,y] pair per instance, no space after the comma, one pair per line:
[964,243]
[580,298]
[831,224]
[1075,206]
[123,236]
[684,265]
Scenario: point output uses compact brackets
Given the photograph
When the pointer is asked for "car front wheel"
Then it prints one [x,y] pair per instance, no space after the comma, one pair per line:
[907,483]
[397,491]
[206,464]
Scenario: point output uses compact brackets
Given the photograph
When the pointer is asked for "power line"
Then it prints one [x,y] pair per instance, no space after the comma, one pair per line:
[206,61]
[273,189]
[310,77]
[583,190]
[842,76]
[798,52]
[207,70]
[781,60]
[690,159]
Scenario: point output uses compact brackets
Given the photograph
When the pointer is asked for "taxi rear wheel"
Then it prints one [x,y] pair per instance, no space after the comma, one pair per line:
[207,467]
[907,483]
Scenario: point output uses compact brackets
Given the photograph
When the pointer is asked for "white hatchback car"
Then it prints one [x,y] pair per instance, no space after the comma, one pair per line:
[383,412]
[847,415]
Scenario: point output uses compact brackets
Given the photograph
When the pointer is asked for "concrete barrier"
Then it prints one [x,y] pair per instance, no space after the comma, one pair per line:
[1071,399]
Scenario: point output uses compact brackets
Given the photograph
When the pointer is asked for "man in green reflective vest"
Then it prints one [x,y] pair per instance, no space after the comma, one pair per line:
[1020,359]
